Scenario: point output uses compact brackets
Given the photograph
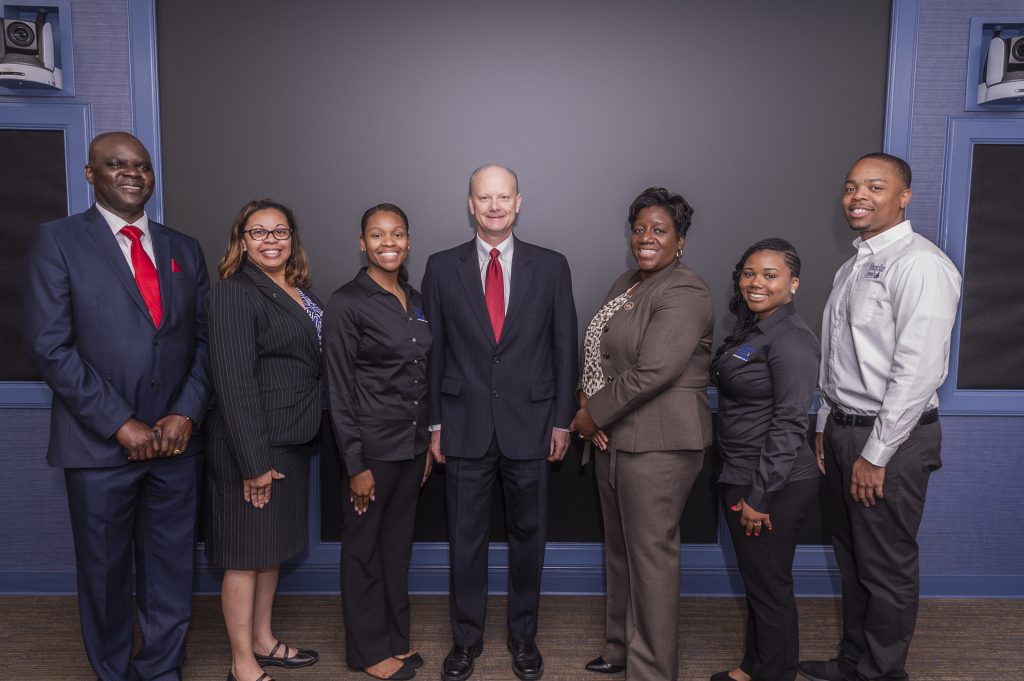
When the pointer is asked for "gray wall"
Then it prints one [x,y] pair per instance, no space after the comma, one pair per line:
[754,111]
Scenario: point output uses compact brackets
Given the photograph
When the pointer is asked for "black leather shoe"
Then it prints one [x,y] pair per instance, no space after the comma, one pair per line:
[458,664]
[721,676]
[301,658]
[601,667]
[820,670]
[527,662]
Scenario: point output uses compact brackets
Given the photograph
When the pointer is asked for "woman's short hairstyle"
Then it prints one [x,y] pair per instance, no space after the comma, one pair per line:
[674,204]
[296,270]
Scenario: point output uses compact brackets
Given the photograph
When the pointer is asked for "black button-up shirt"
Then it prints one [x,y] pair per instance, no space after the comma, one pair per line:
[376,357]
[765,389]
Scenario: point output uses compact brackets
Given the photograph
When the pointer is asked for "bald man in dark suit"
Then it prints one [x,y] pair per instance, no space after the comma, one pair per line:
[115,325]
[502,373]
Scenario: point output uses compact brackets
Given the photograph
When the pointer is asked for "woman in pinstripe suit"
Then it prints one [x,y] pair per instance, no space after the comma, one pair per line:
[264,327]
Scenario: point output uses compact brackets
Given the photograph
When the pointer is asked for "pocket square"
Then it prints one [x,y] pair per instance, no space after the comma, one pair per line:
[174,266]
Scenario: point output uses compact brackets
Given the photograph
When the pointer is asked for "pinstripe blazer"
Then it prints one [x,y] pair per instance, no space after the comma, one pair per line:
[265,362]
[656,357]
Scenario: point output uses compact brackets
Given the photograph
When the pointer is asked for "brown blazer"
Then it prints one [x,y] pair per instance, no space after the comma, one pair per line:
[656,357]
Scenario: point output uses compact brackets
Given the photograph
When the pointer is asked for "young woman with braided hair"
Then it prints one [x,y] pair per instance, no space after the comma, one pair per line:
[766,371]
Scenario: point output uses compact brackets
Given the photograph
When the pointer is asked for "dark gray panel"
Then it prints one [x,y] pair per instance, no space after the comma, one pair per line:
[753,110]
[992,329]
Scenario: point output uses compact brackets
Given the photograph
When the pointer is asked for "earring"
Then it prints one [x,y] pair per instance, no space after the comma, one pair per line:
[679,252]
[792,291]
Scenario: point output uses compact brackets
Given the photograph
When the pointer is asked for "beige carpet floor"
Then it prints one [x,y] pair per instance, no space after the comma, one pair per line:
[956,640]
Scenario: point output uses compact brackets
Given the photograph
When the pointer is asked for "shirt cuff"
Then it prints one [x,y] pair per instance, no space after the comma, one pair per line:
[823,411]
[434,427]
[877,453]
[564,430]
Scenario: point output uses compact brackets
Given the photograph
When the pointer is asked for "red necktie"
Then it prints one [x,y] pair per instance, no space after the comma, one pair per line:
[145,274]
[494,293]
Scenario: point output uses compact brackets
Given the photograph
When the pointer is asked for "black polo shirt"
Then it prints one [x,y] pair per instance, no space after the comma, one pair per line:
[765,389]
[376,356]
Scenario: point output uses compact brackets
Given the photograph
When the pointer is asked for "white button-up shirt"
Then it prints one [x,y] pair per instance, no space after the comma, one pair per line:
[116,224]
[885,335]
[505,248]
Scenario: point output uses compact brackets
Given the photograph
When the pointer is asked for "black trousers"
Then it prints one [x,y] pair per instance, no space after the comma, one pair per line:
[375,552]
[876,549]
[469,486]
[766,565]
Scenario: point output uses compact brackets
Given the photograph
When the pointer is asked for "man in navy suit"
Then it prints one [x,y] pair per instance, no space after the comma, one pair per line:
[502,374]
[115,324]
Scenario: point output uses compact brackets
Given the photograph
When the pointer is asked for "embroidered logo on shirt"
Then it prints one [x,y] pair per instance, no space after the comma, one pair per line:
[744,352]
[874,271]
[417,314]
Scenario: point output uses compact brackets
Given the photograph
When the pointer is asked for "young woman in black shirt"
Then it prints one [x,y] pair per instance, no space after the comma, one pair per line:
[766,371]
[376,340]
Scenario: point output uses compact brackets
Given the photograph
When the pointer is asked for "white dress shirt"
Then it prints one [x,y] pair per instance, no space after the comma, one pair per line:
[505,248]
[116,224]
[885,335]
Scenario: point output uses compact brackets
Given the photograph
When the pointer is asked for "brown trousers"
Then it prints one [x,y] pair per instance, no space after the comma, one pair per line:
[641,507]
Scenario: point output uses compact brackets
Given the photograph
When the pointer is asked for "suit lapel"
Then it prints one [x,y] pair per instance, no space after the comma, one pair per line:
[106,242]
[282,300]
[469,273]
[522,275]
[162,253]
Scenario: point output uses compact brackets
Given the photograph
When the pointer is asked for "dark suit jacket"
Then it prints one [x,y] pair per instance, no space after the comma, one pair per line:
[92,339]
[518,388]
[656,357]
[265,361]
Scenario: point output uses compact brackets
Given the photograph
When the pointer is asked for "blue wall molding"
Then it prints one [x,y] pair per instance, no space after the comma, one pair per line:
[962,134]
[899,100]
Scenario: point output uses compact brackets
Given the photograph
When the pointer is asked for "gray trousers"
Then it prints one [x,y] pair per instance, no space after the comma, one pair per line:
[641,506]
[876,549]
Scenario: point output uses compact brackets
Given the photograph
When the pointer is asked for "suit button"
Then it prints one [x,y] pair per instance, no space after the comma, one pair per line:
[606,329]
[606,356]
[414,340]
[415,381]
[610,378]
[414,423]
[156,341]
[496,360]
[415,403]
[154,384]
[496,394]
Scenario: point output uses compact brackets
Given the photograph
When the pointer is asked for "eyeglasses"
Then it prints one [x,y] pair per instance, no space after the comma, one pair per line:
[280,232]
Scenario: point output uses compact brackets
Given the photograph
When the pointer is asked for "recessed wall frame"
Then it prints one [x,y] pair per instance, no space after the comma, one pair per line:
[963,136]
[75,122]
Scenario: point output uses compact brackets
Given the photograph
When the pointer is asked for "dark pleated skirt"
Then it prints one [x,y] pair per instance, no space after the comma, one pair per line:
[241,537]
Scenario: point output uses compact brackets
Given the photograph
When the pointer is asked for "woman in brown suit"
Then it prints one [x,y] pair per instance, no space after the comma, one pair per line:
[644,405]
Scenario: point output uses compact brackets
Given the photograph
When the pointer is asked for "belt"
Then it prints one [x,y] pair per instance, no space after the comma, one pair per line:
[846,419]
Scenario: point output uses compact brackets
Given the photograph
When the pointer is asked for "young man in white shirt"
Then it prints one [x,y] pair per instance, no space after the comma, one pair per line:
[885,351]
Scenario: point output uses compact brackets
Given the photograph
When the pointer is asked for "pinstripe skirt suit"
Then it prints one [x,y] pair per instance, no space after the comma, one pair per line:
[266,368]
